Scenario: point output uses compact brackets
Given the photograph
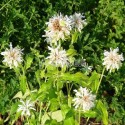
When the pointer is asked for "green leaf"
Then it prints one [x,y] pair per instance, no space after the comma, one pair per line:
[52,93]
[102,112]
[64,109]
[54,104]
[29,60]
[51,70]
[15,117]
[45,117]
[21,96]
[88,48]
[69,121]
[94,81]
[42,74]
[23,83]
[57,115]
[78,77]
[90,114]
[71,52]
[14,108]
[37,74]
[74,37]
[86,37]
[45,86]
[52,122]
[18,95]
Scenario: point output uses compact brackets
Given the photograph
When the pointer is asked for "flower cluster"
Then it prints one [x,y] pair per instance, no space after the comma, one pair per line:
[84,99]
[59,26]
[12,56]
[57,56]
[77,21]
[112,59]
[25,107]
[87,68]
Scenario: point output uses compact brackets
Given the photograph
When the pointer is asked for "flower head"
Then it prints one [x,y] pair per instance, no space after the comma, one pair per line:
[58,27]
[12,56]
[57,56]
[112,59]
[84,100]
[77,21]
[25,107]
[87,68]
[84,65]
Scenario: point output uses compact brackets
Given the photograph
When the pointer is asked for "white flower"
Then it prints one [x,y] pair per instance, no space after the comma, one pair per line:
[84,100]
[57,56]
[59,27]
[12,56]
[25,107]
[77,21]
[112,59]
[87,68]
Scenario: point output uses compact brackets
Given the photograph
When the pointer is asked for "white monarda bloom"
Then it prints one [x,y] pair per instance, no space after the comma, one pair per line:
[57,56]
[12,56]
[84,100]
[112,59]
[59,27]
[77,21]
[87,68]
[25,107]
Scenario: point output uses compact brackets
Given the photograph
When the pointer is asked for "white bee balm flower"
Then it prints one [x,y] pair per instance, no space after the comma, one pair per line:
[112,59]
[57,56]
[58,28]
[84,99]
[25,107]
[77,21]
[12,56]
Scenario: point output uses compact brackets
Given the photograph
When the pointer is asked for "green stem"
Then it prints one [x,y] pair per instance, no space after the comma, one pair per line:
[40,112]
[23,70]
[27,120]
[57,75]
[30,17]
[87,121]
[5,5]
[58,90]
[69,87]
[79,120]
[100,79]
[69,104]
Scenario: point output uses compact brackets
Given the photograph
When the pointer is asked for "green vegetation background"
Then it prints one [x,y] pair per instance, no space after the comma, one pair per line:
[22,22]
